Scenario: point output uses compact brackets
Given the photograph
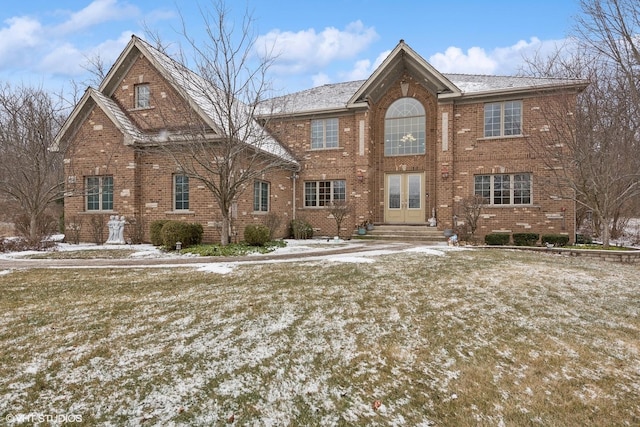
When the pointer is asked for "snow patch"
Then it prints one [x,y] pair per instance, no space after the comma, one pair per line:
[216,268]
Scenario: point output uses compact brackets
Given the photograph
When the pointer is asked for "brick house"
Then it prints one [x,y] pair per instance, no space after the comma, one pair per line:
[404,146]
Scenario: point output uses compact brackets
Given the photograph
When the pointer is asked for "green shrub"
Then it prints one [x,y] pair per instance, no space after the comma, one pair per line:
[256,234]
[497,239]
[555,239]
[301,229]
[196,233]
[525,239]
[155,231]
[179,231]
[582,239]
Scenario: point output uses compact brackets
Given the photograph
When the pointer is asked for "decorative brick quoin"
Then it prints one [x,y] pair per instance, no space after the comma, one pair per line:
[406,146]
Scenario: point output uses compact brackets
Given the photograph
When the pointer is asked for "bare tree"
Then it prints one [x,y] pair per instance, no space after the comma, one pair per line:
[340,209]
[220,142]
[471,208]
[591,145]
[32,171]
[610,28]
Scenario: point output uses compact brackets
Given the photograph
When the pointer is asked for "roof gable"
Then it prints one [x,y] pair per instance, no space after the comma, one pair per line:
[196,91]
[403,59]
[92,98]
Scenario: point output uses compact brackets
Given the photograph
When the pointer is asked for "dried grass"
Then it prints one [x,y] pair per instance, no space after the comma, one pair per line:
[469,338]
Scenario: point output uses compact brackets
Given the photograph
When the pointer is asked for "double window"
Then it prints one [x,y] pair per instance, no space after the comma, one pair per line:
[404,128]
[260,196]
[503,189]
[99,190]
[322,193]
[180,192]
[324,134]
[503,119]
[143,96]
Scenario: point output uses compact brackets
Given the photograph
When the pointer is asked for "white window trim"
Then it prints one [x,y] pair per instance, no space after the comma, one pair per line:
[324,134]
[136,101]
[100,193]
[511,203]
[175,194]
[502,123]
[317,190]
[260,211]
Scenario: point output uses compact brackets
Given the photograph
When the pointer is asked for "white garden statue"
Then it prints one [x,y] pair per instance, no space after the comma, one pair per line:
[116,230]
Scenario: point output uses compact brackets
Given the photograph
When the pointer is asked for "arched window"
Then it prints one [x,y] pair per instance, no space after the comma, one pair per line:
[404,128]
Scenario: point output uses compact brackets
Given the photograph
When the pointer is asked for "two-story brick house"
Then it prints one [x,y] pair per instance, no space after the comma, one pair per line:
[404,146]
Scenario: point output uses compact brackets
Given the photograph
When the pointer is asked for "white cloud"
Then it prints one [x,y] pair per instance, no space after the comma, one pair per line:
[305,50]
[17,39]
[501,60]
[362,69]
[320,79]
[97,12]
[454,60]
[67,59]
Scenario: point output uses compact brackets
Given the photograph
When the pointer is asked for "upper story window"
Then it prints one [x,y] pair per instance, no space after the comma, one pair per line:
[180,192]
[404,128]
[322,193]
[502,119]
[504,189]
[324,133]
[143,96]
[260,196]
[99,191]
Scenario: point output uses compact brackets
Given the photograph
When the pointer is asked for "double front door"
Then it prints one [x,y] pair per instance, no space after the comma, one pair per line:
[404,198]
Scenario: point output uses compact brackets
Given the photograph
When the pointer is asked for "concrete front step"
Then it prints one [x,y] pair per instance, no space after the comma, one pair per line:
[420,233]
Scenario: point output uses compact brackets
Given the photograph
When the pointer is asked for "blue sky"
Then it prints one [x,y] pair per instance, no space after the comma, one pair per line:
[47,42]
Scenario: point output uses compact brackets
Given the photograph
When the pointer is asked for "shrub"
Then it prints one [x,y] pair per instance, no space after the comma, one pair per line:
[272,221]
[46,225]
[497,239]
[179,231]
[555,239]
[582,239]
[98,224]
[196,233]
[256,234]
[525,239]
[301,229]
[155,231]
[135,230]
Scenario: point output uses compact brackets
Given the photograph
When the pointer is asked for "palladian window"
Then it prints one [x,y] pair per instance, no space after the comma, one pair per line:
[404,128]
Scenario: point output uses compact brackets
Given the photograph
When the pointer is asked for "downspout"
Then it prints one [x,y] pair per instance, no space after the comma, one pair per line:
[294,178]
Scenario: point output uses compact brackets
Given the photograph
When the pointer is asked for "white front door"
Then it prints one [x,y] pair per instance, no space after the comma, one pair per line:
[404,198]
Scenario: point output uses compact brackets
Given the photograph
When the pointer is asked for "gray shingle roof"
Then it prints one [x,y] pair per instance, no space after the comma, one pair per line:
[336,95]
[206,96]
[474,83]
[126,126]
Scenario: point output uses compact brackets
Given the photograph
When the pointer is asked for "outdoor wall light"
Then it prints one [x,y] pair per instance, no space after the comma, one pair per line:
[359,175]
[445,172]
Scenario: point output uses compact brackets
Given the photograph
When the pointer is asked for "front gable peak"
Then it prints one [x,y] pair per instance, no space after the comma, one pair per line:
[403,60]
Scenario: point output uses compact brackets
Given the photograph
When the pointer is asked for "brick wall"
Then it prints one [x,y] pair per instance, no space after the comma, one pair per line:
[472,154]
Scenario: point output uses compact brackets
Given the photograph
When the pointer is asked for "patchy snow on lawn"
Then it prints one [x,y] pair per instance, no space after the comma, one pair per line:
[216,268]
[422,335]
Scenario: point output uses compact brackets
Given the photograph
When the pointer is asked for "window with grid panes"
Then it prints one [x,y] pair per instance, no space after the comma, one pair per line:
[99,191]
[404,128]
[504,189]
[181,192]
[324,133]
[503,119]
[260,196]
[322,193]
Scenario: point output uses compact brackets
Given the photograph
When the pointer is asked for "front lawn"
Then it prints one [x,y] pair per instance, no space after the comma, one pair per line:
[467,338]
